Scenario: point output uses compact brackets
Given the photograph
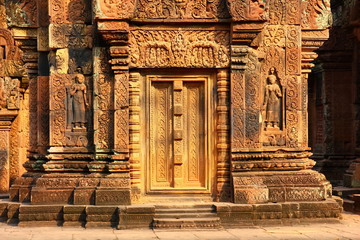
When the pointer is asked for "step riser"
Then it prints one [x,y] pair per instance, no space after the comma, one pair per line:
[182,215]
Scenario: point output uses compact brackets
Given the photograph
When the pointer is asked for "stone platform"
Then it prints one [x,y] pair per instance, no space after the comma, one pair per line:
[211,215]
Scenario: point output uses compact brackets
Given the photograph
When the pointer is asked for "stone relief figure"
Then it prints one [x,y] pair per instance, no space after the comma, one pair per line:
[78,102]
[272,100]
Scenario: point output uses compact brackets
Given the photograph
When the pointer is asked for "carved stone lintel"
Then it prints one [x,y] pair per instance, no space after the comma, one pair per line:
[179,48]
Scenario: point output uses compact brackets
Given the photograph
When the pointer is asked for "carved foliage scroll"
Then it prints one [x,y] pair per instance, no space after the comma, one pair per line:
[238,109]
[58,109]
[121,95]
[252,103]
[201,49]
[183,9]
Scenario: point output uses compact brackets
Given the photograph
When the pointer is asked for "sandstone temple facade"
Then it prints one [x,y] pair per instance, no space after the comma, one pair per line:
[110,110]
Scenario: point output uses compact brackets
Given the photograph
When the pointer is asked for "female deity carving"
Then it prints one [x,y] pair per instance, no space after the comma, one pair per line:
[272,101]
[79,102]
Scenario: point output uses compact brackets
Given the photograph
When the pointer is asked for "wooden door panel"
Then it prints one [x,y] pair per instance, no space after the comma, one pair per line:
[194,125]
[161,143]
[177,143]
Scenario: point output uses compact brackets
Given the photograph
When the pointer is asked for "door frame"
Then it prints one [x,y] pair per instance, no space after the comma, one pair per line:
[210,133]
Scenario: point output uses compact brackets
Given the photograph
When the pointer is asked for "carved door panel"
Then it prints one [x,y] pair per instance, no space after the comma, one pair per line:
[177,135]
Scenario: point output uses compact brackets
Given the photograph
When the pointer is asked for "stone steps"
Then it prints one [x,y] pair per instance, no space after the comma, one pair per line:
[186,217]
[350,196]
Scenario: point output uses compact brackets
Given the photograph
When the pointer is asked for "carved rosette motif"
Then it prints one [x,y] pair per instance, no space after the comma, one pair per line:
[167,48]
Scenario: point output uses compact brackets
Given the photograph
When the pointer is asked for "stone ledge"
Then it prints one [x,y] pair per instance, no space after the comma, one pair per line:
[142,216]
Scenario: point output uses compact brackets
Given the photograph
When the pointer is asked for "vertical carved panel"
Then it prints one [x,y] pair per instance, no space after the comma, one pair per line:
[103,101]
[57,109]
[161,144]
[195,129]
[293,50]
[121,95]
[238,109]
[252,103]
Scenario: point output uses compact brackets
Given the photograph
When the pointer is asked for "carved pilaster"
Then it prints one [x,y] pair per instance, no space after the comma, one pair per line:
[116,35]
[134,131]
[223,133]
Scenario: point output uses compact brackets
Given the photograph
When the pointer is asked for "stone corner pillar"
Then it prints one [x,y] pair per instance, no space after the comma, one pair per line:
[115,33]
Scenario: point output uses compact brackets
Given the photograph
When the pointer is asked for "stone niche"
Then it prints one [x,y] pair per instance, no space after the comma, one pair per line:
[149,102]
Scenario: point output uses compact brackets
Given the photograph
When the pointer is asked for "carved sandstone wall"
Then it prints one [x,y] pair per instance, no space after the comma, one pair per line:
[124,90]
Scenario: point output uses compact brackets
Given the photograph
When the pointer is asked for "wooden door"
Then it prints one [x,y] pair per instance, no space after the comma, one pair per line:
[177,138]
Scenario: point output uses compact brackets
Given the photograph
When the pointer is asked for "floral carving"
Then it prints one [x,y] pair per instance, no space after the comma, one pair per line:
[183,9]
[150,48]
